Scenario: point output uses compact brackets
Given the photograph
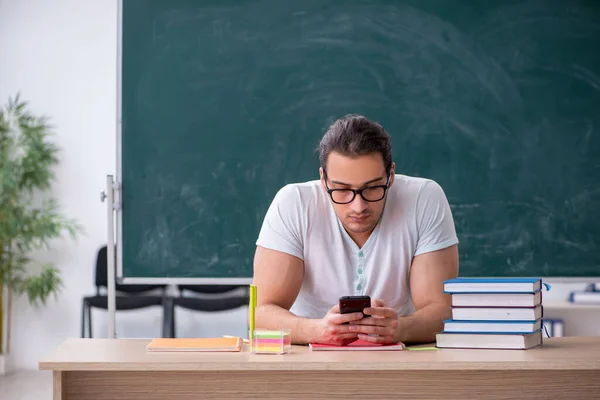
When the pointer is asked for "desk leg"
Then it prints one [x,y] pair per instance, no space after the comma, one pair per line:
[58,385]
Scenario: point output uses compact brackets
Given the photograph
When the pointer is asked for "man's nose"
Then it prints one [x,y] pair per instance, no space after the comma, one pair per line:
[358,205]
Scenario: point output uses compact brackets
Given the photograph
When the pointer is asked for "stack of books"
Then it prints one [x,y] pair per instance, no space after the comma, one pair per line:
[493,314]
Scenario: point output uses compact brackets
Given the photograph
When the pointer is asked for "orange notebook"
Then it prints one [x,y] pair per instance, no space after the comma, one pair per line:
[357,345]
[195,344]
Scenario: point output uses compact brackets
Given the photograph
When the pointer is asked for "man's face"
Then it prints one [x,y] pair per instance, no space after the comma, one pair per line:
[368,171]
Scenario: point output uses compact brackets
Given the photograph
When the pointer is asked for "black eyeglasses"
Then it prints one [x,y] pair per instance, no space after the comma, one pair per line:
[370,193]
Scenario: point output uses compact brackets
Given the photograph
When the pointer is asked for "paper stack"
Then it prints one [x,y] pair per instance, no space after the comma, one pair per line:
[490,313]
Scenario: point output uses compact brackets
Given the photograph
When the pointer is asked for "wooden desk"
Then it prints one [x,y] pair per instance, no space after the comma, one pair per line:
[564,368]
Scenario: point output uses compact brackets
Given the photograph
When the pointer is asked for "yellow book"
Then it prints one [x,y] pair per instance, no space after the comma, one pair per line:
[195,344]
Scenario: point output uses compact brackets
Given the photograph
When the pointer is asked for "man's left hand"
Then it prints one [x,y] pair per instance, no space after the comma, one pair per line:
[379,325]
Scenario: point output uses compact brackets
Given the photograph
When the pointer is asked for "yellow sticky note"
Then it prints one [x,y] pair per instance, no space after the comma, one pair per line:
[422,348]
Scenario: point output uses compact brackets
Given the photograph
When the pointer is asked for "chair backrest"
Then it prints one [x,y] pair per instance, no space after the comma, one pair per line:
[102,280]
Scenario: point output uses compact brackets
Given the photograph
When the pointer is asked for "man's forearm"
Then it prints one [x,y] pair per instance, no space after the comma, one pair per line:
[422,326]
[271,316]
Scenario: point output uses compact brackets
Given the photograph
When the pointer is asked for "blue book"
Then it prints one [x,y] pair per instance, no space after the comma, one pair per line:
[492,327]
[493,285]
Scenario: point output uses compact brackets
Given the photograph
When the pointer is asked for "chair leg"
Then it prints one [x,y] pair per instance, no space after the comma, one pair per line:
[172,333]
[83,318]
[166,331]
[169,318]
[172,326]
[89,315]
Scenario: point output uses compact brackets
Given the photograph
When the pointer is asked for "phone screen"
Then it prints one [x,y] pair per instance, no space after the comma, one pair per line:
[351,304]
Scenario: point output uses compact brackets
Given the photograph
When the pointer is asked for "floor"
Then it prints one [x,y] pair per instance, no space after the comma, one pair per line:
[26,385]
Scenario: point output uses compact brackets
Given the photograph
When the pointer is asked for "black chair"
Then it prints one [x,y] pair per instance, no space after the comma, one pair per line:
[218,298]
[127,297]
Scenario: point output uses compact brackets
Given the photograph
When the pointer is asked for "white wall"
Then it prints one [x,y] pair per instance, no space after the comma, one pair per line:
[61,56]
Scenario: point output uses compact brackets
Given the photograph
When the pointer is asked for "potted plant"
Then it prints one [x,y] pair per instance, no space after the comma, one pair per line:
[29,216]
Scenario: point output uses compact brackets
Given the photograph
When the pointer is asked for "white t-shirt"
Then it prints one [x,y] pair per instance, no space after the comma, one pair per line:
[301,221]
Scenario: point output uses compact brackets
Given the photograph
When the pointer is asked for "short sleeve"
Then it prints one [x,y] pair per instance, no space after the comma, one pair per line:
[435,224]
[282,225]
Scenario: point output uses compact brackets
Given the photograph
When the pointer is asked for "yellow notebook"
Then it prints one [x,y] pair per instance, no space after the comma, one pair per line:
[195,344]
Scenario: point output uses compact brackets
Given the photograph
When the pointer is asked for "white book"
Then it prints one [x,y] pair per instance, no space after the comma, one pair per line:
[488,285]
[585,297]
[496,299]
[488,341]
[455,326]
[558,328]
[497,313]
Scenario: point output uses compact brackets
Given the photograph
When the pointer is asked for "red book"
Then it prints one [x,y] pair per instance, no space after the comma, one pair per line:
[357,345]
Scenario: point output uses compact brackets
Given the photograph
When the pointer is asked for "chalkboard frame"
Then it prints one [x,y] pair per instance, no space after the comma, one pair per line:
[118,192]
[119,212]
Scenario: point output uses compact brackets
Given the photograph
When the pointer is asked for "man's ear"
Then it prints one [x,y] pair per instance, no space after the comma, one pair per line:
[322,175]
[392,173]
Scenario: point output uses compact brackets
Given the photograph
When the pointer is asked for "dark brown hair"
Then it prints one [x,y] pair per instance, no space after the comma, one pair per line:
[354,135]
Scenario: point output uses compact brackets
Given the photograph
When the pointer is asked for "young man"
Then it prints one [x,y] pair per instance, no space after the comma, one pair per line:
[360,230]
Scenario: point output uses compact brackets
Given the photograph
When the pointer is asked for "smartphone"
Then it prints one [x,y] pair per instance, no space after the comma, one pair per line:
[351,304]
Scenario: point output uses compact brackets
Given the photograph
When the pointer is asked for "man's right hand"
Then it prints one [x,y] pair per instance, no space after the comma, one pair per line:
[334,329]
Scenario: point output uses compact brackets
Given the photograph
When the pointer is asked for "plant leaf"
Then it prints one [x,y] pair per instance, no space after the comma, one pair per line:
[29,217]
[39,287]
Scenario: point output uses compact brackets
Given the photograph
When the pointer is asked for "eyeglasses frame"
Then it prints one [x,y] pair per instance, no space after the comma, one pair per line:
[357,191]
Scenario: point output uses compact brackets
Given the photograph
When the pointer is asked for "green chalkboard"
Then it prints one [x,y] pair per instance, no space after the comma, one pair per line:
[223,103]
